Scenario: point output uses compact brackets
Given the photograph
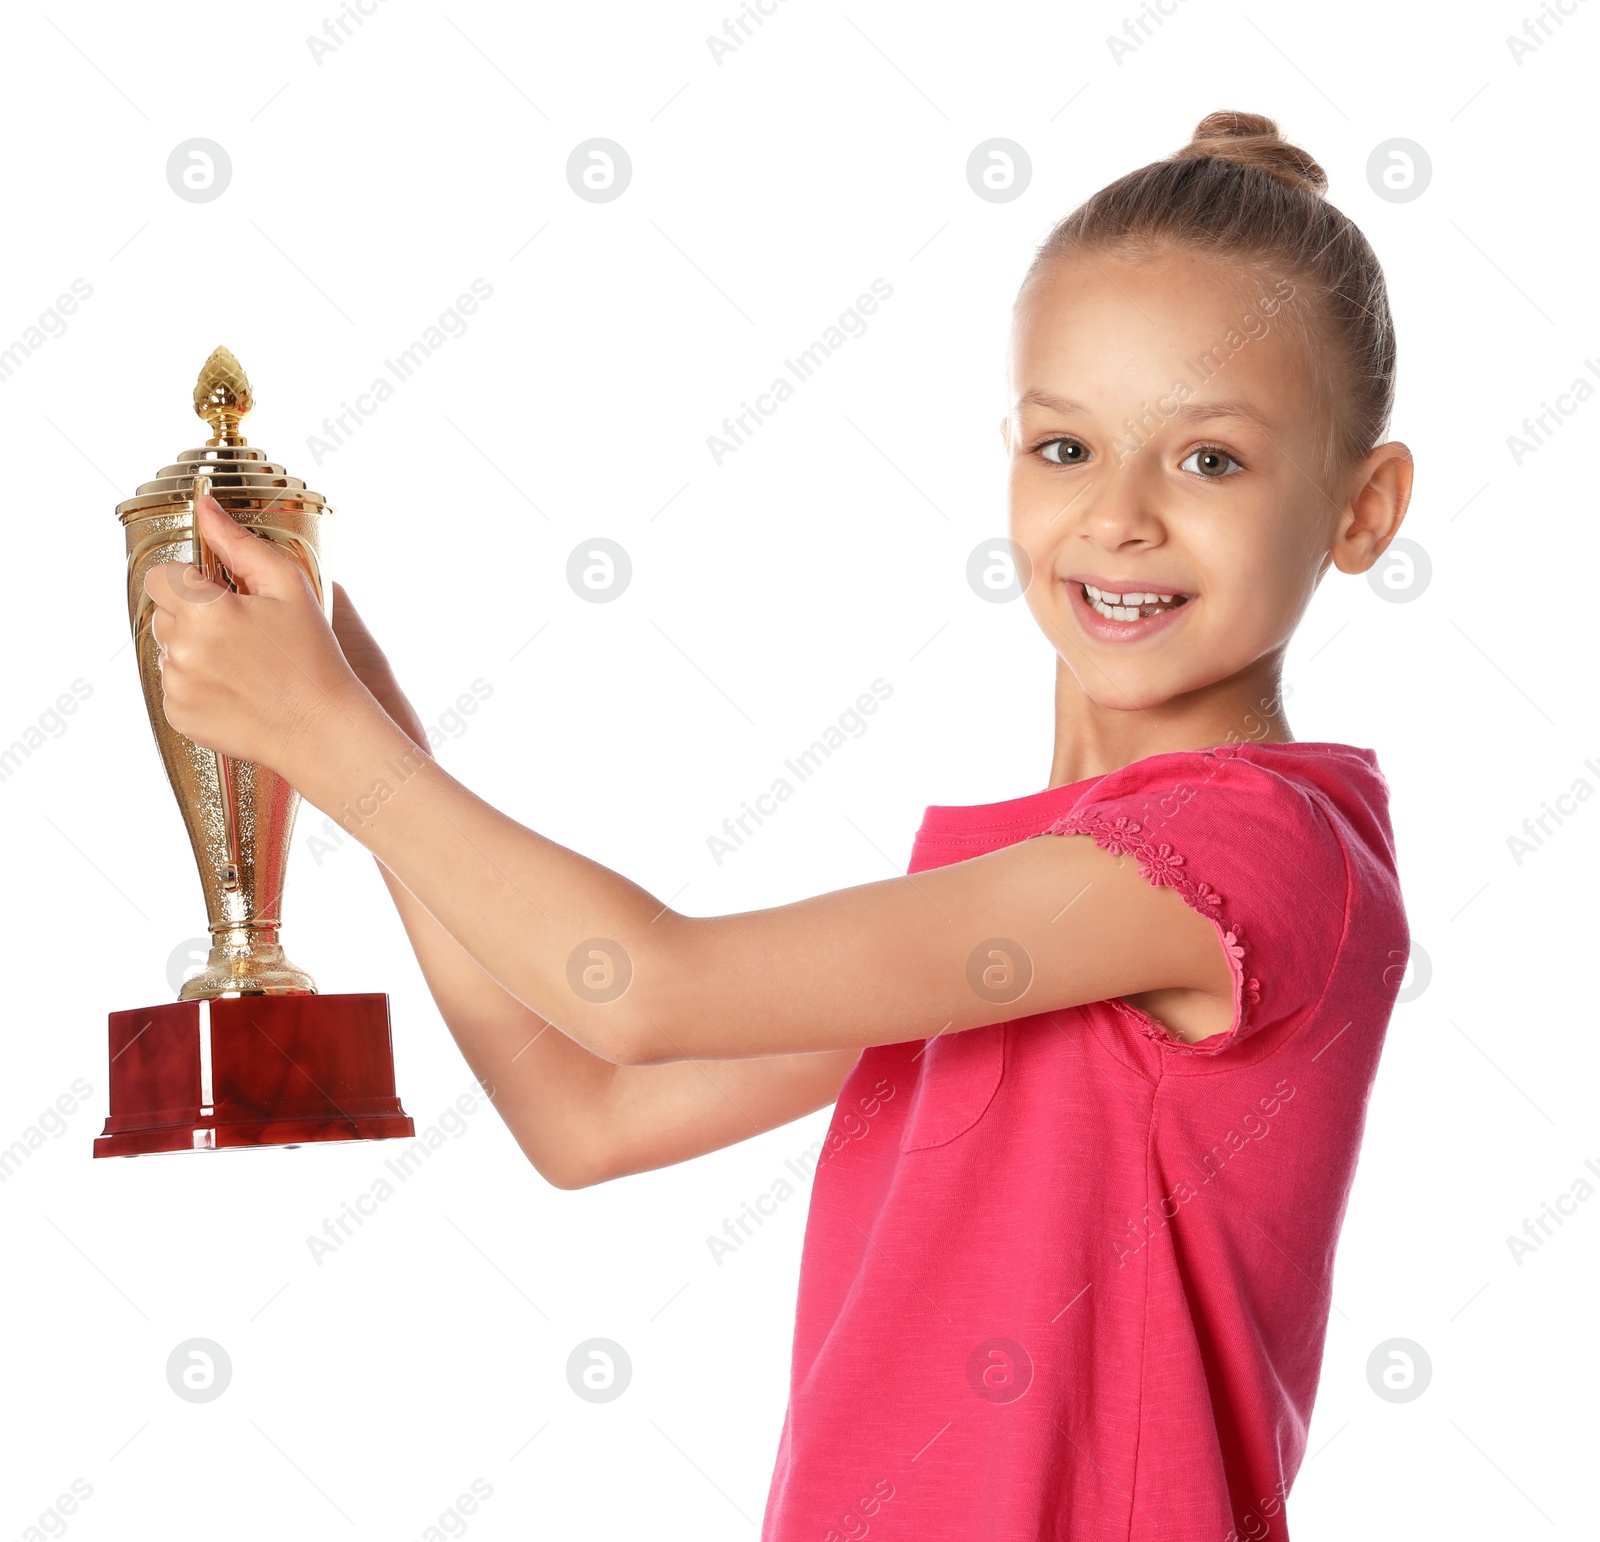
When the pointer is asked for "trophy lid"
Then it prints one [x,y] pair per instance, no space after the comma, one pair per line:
[242,478]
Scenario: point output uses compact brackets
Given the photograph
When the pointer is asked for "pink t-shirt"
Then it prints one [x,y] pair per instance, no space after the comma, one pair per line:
[1066,1278]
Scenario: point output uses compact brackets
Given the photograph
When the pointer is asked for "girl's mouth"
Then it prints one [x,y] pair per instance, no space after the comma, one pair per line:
[1130,607]
[1124,617]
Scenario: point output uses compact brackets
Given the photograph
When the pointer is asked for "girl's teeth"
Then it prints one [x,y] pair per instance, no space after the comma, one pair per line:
[1130,606]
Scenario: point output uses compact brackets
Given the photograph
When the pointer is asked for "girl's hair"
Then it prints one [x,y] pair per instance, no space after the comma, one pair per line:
[1240,192]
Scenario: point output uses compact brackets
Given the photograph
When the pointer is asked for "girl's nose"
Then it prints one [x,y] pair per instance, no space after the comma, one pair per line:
[1121,507]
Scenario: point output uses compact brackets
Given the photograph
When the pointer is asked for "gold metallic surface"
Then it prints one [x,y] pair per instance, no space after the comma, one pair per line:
[240,816]
[222,396]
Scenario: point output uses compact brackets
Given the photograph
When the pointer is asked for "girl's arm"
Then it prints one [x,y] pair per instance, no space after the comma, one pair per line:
[582,1120]
[578,1118]
[259,675]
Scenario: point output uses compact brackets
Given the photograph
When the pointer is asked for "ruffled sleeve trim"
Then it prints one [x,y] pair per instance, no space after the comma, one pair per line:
[1164,867]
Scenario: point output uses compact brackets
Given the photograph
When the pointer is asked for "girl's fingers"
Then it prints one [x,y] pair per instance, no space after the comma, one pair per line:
[171,584]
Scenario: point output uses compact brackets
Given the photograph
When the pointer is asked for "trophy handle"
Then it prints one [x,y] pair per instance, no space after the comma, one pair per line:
[210,566]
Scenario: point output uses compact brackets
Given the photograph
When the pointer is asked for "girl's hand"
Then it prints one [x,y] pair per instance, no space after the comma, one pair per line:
[367,659]
[256,675]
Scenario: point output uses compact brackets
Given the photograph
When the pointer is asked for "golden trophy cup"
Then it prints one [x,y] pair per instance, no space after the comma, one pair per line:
[250,1054]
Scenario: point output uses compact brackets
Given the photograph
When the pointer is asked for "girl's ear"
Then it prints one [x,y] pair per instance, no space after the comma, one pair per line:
[1377,506]
[1005,434]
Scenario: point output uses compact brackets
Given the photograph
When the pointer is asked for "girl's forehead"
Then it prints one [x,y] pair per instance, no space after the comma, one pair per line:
[1091,324]
[1172,293]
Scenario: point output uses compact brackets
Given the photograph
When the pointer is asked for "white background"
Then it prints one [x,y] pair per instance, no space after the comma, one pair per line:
[367,192]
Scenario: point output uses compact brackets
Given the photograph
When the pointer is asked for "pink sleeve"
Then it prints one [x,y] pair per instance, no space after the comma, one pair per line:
[1251,850]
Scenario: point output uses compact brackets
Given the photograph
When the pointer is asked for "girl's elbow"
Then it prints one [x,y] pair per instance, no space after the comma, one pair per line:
[567,1164]
[570,1178]
[637,1039]
[614,1032]
[658,1019]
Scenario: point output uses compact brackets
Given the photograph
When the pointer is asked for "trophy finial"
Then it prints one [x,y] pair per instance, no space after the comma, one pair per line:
[222,396]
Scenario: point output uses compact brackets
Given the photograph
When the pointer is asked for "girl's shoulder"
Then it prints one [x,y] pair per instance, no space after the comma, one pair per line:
[1286,847]
[1301,827]
[1239,781]
[1222,786]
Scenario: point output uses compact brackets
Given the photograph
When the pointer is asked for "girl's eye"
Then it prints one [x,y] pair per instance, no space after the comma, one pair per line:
[1212,462]
[1064,452]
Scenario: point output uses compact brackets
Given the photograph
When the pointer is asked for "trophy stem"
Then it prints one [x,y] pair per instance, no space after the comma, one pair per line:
[246,959]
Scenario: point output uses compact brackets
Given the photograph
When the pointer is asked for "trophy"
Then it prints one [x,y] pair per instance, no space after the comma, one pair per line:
[250,1054]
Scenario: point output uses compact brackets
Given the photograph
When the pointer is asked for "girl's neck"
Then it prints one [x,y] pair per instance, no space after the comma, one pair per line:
[1091,739]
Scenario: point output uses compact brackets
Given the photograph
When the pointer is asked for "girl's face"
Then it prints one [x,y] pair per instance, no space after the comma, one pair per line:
[1164,441]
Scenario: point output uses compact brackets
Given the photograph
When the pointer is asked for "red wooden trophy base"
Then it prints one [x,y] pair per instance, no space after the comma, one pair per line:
[251,1071]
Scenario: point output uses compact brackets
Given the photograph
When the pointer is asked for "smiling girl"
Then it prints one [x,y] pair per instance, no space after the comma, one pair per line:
[1067,1265]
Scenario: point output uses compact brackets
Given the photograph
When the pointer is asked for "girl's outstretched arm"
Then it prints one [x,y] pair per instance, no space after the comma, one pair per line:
[259,675]
[578,1118]
[581,1119]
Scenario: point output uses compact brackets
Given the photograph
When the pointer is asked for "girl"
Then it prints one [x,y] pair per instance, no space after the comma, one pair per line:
[1099,1097]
